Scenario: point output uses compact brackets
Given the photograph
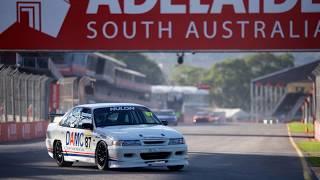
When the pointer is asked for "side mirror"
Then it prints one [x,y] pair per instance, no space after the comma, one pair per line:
[164,122]
[87,126]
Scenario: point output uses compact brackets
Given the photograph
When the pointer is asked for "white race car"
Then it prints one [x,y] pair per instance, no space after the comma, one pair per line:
[115,136]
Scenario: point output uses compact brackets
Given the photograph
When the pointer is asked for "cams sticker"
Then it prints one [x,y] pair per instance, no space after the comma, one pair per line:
[77,139]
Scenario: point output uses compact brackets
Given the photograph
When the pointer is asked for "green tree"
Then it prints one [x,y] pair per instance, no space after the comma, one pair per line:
[142,64]
[184,75]
[230,80]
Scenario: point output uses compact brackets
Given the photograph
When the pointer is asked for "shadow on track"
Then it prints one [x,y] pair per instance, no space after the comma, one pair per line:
[34,164]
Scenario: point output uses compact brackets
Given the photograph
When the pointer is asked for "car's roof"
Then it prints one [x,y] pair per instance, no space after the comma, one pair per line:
[104,105]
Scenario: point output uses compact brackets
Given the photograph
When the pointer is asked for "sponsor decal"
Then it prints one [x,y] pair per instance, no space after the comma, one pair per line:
[77,139]
[233,25]
[88,133]
[122,108]
[79,154]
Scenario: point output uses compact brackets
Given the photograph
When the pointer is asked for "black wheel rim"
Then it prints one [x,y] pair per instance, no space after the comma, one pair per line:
[101,154]
[59,153]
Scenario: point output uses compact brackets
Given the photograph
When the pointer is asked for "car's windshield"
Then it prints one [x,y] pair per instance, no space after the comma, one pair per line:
[116,116]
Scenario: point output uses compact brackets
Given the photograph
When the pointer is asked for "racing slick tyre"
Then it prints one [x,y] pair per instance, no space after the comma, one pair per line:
[102,158]
[175,168]
[59,157]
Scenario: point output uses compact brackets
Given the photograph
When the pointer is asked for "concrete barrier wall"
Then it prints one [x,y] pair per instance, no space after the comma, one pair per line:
[317,130]
[11,132]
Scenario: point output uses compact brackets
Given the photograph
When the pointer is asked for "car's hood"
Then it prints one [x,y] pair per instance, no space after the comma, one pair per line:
[138,132]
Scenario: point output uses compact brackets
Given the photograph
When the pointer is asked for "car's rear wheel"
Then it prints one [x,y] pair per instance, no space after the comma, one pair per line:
[102,157]
[59,157]
[175,168]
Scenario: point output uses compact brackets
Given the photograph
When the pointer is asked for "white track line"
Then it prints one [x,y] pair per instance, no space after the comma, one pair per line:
[307,174]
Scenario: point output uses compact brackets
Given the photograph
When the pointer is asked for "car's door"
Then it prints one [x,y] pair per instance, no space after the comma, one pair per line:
[86,139]
[68,133]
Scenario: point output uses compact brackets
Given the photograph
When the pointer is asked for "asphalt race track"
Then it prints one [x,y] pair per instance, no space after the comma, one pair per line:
[230,151]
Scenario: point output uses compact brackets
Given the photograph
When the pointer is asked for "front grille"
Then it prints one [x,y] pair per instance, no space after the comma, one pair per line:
[155,156]
[153,142]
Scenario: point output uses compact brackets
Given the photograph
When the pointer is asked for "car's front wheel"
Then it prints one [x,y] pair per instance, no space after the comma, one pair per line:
[102,157]
[175,168]
[59,157]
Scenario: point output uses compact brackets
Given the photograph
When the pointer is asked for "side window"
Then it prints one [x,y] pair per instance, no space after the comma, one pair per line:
[85,117]
[72,118]
[64,118]
[149,116]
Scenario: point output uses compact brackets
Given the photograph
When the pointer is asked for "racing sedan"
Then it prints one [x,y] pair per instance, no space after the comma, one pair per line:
[167,115]
[115,136]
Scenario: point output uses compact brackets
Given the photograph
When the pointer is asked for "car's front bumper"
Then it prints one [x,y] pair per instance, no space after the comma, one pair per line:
[49,145]
[128,157]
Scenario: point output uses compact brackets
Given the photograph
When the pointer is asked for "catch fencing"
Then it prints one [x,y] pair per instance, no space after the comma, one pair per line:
[24,100]
[68,93]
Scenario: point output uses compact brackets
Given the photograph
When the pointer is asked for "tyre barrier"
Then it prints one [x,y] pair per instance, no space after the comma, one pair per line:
[13,132]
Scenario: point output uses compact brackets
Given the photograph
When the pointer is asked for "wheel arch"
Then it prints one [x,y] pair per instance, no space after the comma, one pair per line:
[54,147]
[100,141]
[95,154]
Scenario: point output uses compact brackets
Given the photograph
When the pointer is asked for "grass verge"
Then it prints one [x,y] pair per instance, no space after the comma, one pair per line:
[312,150]
[297,127]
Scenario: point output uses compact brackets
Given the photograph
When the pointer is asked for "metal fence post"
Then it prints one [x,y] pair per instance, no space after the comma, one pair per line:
[2,93]
[47,94]
[27,97]
[33,98]
[5,96]
[13,110]
[20,97]
[40,96]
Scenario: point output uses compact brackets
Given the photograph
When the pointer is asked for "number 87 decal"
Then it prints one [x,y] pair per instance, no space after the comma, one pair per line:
[87,142]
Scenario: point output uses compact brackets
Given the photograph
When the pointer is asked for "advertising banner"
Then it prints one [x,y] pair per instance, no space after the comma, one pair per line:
[11,132]
[160,25]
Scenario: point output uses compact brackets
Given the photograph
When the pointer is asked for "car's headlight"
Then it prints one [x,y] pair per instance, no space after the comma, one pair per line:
[176,141]
[127,143]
